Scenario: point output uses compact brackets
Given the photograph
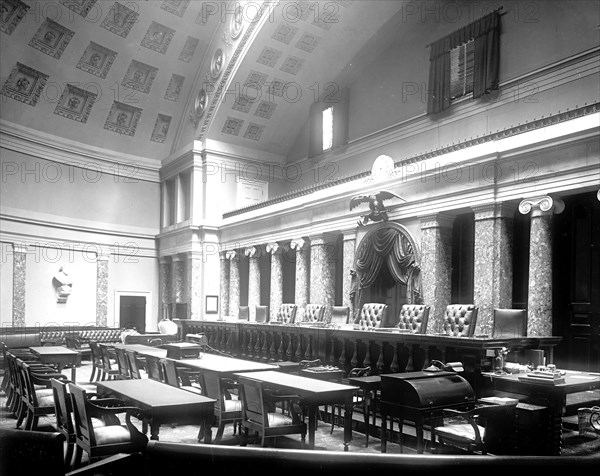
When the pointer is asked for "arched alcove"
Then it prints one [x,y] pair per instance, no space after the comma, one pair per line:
[387,269]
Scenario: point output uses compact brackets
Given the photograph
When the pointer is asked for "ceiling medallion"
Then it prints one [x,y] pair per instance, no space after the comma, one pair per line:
[216,65]
[236,24]
[200,104]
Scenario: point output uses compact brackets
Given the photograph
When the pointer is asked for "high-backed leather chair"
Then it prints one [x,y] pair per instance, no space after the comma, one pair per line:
[314,313]
[287,313]
[414,317]
[244,313]
[339,315]
[460,319]
[262,313]
[373,315]
[510,323]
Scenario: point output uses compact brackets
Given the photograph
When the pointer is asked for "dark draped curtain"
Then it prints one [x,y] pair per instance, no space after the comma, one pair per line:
[390,246]
[486,34]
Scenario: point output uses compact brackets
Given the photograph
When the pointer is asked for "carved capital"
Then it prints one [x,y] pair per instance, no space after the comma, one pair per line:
[437,220]
[298,244]
[273,248]
[253,252]
[230,255]
[541,205]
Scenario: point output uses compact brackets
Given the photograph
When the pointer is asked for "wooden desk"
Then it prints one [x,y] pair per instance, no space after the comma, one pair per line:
[143,349]
[552,396]
[226,366]
[59,356]
[162,402]
[313,393]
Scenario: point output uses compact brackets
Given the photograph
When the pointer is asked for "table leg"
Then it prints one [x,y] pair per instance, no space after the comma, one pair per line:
[154,428]
[312,425]
[347,424]
[208,431]
[383,435]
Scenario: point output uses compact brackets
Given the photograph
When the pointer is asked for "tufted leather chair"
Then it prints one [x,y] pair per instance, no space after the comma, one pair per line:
[244,314]
[287,313]
[373,315]
[460,319]
[314,313]
[510,323]
[340,315]
[414,317]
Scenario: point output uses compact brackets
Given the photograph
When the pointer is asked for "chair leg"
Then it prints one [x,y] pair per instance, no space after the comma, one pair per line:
[69,457]
[77,457]
[244,440]
[219,434]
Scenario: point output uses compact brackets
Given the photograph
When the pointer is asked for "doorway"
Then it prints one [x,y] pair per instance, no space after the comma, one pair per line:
[132,312]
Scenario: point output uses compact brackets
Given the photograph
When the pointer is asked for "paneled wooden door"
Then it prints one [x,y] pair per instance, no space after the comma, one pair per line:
[132,312]
[576,283]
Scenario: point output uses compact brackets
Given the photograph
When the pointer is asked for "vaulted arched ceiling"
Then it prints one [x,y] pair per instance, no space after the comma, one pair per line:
[125,76]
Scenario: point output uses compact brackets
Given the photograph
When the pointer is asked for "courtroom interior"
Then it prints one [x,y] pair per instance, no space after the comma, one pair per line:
[369,230]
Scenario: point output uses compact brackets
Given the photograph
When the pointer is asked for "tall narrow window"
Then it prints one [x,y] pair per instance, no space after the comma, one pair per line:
[461,70]
[328,128]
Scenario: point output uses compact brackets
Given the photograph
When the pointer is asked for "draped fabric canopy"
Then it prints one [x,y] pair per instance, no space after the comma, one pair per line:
[392,246]
[486,34]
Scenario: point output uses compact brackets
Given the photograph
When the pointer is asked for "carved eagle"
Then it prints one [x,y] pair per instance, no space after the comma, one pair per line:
[375,201]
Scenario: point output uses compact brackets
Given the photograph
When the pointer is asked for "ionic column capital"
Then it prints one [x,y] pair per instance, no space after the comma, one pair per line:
[20,248]
[544,205]
[230,255]
[253,251]
[274,248]
[298,244]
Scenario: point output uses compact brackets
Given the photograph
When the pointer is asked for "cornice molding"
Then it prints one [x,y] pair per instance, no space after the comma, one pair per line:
[64,151]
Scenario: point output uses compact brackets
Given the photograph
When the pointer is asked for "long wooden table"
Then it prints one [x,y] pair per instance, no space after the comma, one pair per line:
[313,393]
[163,403]
[59,356]
[552,396]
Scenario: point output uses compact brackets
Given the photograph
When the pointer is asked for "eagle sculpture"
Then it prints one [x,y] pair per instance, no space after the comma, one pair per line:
[378,211]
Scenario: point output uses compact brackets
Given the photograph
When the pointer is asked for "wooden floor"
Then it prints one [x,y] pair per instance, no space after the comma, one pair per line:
[573,444]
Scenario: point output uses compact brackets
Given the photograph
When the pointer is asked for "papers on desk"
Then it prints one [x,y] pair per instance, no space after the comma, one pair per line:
[499,400]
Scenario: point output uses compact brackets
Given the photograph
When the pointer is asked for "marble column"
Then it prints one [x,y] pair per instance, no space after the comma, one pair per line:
[302,289]
[436,263]
[539,301]
[177,266]
[349,250]
[234,282]
[253,253]
[194,284]
[322,271]
[164,283]
[276,278]
[224,285]
[102,288]
[492,273]
[19,279]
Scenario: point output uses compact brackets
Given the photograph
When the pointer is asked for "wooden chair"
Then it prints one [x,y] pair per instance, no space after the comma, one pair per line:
[257,417]
[97,365]
[180,377]
[132,364]
[36,394]
[476,430]
[509,323]
[359,399]
[154,368]
[113,437]
[228,409]
[122,364]
[109,372]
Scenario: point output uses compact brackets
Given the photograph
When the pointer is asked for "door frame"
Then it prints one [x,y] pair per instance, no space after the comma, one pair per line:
[117,306]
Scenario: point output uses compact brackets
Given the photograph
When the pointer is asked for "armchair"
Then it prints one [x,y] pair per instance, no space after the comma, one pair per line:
[476,430]
[228,409]
[339,315]
[314,313]
[113,437]
[414,317]
[286,313]
[257,417]
[244,313]
[262,314]
[460,319]
[510,323]
[373,316]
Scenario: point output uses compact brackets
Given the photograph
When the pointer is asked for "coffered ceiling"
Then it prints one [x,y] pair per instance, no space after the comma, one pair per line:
[146,78]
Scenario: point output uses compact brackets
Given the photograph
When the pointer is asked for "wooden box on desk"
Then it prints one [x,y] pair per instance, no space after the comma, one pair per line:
[182,350]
